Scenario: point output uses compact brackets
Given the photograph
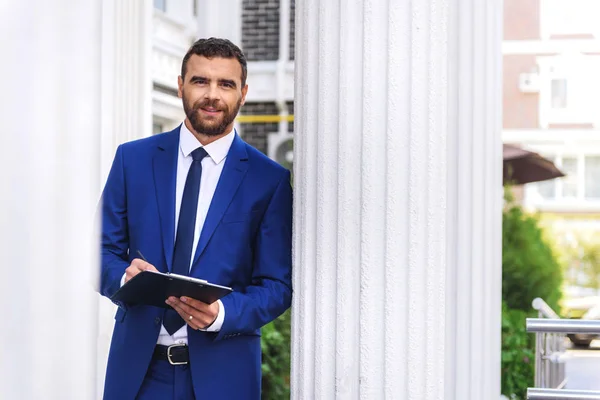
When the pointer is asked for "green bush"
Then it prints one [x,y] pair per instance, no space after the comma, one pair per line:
[518,354]
[276,358]
[530,269]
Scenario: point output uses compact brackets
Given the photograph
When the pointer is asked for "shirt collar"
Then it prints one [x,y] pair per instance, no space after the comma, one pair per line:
[216,150]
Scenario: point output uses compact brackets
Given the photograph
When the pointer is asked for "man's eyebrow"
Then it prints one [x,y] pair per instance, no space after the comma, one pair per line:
[196,77]
[229,81]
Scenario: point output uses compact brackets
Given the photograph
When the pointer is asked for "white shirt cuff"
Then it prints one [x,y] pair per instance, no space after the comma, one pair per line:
[216,326]
[123,279]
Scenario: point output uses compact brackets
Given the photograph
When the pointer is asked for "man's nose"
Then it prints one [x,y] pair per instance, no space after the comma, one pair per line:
[213,92]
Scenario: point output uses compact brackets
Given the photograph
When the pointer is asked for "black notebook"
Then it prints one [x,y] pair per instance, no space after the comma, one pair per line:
[153,288]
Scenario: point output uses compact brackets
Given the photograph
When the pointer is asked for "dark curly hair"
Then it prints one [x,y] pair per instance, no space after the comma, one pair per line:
[215,47]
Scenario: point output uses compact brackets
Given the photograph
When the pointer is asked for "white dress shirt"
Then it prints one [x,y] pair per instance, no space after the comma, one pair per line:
[212,166]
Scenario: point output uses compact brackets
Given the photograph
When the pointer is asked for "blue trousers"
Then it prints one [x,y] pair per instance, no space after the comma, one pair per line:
[164,381]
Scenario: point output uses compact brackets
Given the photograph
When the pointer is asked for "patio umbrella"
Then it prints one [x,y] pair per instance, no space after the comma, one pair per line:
[522,166]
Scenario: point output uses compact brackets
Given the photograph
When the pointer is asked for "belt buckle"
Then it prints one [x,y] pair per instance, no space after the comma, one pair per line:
[169,354]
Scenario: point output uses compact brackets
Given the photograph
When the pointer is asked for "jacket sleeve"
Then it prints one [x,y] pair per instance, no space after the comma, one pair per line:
[114,233]
[271,291]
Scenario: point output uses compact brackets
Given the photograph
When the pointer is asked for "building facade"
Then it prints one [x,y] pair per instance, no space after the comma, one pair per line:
[551,91]
[551,54]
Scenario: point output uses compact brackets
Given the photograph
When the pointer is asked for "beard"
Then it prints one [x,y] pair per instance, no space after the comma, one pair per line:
[213,126]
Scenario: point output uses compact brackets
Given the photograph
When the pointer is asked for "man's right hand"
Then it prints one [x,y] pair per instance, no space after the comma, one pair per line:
[137,265]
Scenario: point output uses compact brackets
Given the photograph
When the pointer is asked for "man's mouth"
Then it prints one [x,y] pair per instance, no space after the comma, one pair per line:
[210,110]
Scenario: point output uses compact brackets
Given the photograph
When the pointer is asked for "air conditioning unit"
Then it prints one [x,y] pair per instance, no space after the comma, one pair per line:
[281,149]
[529,82]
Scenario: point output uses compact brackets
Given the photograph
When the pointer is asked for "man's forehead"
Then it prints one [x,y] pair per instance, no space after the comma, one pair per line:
[214,65]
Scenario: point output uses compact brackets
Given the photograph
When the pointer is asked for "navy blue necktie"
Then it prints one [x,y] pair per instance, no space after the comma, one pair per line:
[184,241]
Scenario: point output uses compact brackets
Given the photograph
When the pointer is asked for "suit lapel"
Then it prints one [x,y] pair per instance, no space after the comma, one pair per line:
[165,179]
[234,170]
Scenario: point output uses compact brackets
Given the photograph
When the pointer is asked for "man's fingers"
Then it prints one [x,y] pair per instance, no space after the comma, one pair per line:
[199,318]
[137,265]
[147,267]
[197,304]
[142,265]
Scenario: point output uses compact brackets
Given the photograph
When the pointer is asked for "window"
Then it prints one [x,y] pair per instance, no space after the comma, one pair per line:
[559,93]
[592,177]
[569,89]
[569,182]
[546,189]
[580,187]
[160,5]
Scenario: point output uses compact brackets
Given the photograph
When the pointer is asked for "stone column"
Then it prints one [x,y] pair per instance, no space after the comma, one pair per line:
[50,116]
[126,97]
[398,196]
[126,74]
[475,199]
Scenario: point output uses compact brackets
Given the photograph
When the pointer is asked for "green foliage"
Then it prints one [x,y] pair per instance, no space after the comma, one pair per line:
[530,268]
[518,354]
[276,358]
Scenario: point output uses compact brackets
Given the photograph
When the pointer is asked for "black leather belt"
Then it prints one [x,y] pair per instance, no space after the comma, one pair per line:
[176,354]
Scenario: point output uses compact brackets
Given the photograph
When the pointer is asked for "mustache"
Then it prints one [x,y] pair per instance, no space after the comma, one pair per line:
[213,103]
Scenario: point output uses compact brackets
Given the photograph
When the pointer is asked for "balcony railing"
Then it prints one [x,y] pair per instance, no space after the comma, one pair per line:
[550,331]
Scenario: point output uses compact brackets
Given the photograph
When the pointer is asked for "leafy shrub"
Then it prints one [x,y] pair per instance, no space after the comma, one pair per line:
[530,269]
[518,354]
[276,358]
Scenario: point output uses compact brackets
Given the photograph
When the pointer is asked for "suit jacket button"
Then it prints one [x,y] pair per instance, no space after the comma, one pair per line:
[157,320]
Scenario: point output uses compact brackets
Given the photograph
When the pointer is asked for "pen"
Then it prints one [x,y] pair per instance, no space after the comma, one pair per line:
[141,255]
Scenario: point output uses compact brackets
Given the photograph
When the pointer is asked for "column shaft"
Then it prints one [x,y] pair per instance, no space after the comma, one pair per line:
[382,148]
[49,178]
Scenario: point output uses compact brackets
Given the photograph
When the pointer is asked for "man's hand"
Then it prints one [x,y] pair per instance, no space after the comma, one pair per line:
[202,314]
[137,266]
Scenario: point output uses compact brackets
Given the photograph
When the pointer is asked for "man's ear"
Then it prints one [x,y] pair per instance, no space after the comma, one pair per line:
[179,86]
[244,91]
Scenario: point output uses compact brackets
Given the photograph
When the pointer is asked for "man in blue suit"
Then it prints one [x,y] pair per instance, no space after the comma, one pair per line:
[198,201]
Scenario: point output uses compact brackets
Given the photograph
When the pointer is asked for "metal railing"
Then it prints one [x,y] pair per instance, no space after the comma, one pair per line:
[542,325]
[550,331]
[549,349]
[555,394]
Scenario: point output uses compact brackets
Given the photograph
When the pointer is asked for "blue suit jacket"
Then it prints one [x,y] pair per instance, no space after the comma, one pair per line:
[245,244]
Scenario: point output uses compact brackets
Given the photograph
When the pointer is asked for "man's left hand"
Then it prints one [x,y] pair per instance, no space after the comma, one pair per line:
[202,314]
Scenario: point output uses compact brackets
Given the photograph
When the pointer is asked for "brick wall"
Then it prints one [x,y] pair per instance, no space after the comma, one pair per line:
[260,42]
[260,29]
[290,106]
[292,26]
[256,133]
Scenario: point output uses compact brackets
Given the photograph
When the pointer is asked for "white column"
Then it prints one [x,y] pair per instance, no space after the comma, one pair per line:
[126,74]
[397,180]
[221,19]
[49,178]
[475,197]
[126,97]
